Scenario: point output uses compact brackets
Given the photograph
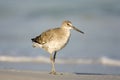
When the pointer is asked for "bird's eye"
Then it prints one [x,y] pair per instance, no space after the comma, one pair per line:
[68,24]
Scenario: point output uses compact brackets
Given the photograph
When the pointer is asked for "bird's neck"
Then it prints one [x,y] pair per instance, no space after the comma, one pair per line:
[66,32]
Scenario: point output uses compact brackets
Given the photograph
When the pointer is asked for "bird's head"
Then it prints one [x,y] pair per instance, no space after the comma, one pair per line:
[68,25]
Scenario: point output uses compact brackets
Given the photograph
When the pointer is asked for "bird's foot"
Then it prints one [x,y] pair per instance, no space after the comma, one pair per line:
[55,73]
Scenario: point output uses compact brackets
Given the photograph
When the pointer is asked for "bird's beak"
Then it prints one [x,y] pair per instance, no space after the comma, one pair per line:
[77,29]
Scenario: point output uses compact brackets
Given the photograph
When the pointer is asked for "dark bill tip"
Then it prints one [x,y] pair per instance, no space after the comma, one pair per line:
[78,30]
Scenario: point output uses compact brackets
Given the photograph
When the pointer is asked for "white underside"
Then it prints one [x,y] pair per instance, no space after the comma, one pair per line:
[50,47]
[37,45]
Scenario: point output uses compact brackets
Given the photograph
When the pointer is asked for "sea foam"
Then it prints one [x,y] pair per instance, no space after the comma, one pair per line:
[43,59]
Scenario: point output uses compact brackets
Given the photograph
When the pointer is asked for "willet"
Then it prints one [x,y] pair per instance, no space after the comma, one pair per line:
[54,40]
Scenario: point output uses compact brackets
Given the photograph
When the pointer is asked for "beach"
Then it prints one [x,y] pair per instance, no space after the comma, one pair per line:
[37,75]
[92,56]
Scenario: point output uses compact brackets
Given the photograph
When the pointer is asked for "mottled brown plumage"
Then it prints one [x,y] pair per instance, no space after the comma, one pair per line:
[54,40]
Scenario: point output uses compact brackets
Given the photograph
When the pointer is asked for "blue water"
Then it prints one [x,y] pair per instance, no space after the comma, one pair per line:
[100,20]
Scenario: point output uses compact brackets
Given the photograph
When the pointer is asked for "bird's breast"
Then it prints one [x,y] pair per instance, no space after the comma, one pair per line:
[58,41]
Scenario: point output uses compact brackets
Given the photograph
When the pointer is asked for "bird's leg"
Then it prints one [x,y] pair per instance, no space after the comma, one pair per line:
[52,58]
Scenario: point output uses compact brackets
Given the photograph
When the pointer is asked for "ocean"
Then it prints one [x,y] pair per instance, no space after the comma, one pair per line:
[96,51]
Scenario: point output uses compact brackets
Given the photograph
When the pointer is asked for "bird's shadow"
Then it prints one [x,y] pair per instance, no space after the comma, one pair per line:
[89,73]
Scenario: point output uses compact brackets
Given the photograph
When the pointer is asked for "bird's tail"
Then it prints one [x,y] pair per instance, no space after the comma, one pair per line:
[36,40]
[33,40]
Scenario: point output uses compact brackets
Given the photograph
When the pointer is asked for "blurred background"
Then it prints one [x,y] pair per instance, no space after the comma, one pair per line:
[97,51]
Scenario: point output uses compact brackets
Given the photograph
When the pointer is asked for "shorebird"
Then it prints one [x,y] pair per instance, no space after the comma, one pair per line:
[54,40]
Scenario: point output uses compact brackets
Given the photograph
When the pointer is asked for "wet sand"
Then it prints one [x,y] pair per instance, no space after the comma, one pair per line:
[37,75]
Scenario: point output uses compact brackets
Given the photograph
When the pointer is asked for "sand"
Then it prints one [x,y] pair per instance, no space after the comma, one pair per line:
[37,75]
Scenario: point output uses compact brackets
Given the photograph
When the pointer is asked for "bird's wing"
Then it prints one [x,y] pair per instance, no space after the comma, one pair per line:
[44,37]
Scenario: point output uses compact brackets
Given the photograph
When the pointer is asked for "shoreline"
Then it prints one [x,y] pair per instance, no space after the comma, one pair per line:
[37,75]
